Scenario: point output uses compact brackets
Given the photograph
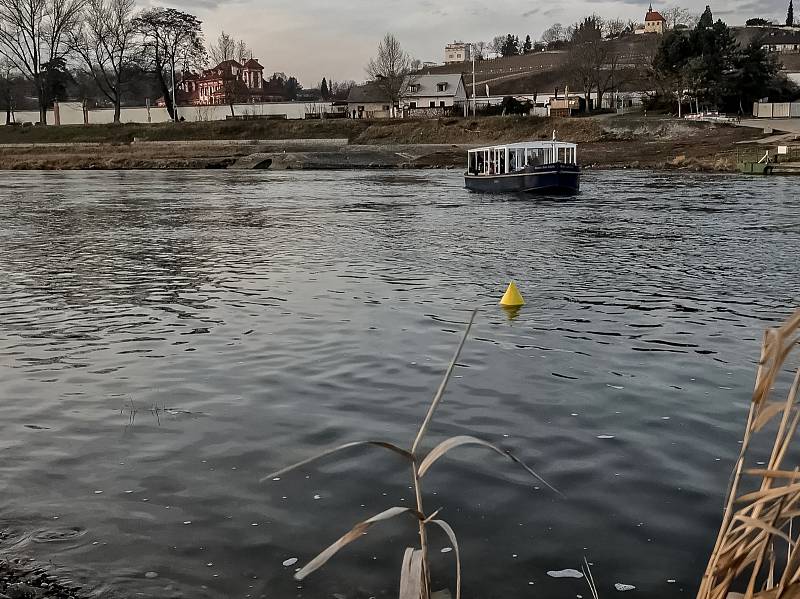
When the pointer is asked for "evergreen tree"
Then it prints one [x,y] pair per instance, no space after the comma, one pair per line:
[790,14]
[709,64]
[528,47]
[323,89]
[516,47]
[508,46]
[707,19]
[588,30]
[291,88]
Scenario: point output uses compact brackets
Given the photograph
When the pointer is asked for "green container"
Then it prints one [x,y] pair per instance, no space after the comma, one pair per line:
[755,168]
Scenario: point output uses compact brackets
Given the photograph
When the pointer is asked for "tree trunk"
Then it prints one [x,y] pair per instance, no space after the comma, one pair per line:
[41,94]
[117,110]
[167,96]
[8,114]
[233,113]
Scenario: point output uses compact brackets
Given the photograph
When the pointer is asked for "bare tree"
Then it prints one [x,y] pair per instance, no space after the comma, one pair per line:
[390,69]
[339,90]
[480,49]
[497,44]
[33,36]
[614,28]
[223,50]
[243,52]
[676,16]
[554,33]
[104,41]
[583,64]
[228,48]
[170,38]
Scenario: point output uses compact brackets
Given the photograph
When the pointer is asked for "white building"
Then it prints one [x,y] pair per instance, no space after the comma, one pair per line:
[435,92]
[457,52]
[654,22]
[424,96]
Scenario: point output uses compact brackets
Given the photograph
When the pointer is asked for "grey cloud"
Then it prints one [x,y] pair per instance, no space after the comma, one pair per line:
[316,38]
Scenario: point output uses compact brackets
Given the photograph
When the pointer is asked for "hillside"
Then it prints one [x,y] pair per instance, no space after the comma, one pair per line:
[542,72]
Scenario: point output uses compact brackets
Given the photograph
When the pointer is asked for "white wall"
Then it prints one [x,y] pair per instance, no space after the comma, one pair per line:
[71,113]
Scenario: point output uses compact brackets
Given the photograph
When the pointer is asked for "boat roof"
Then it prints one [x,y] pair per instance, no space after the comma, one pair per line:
[528,145]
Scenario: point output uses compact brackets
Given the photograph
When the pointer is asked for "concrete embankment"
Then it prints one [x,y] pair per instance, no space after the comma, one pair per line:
[358,157]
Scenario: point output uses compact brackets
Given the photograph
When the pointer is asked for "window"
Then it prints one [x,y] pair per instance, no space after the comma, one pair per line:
[441,103]
[386,108]
[412,105]
[458,55]
[433,104]
[440,87]
[414,88]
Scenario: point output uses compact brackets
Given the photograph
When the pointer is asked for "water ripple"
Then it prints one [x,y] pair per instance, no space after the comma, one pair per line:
[166,339]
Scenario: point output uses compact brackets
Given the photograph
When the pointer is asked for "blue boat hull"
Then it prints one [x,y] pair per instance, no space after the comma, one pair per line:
[560,179]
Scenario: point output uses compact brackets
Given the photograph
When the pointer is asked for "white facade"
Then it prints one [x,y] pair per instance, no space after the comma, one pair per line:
[457,52]
[435,91]
[71,113]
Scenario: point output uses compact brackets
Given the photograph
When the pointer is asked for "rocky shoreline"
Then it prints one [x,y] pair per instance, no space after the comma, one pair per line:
[21,580]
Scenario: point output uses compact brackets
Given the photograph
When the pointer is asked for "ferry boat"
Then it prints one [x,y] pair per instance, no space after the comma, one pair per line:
[538,167]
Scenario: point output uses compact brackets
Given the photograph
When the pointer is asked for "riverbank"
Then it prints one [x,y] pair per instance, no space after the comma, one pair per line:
[605,142]
[21,581]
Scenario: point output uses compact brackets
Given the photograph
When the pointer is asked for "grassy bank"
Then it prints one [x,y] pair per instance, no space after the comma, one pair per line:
[616,142]
[408,131]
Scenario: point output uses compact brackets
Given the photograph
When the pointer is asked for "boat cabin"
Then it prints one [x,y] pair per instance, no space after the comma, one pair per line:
[511,158]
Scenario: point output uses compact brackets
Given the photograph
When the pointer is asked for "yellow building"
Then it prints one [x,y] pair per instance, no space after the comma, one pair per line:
[654,22]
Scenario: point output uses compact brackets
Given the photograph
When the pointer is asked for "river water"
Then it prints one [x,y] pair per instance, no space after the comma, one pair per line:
[167,339]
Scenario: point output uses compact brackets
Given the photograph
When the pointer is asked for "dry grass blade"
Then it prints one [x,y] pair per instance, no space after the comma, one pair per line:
[415,571]
[445,446]
[324,454]
[767,413]
[411,575]
[587,574]
[442,386]
[454,540]
[769,494]
[355,533]
[790,474]
[755,523]
[745,550]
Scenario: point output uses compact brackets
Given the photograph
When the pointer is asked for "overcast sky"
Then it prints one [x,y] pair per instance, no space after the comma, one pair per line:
[336,38]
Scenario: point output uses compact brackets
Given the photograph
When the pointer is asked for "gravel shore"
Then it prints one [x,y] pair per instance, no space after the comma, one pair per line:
[22,580]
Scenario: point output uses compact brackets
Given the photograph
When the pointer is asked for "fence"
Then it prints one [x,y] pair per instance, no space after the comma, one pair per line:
[776,110]
[72,113]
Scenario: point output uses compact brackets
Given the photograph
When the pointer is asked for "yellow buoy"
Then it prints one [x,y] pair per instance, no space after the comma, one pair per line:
[512,298]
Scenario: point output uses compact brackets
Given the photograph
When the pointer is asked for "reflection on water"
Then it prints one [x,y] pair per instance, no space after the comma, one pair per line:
[166,339]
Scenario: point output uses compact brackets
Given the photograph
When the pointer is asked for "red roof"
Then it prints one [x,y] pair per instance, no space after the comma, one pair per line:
[253,64]
[654,16]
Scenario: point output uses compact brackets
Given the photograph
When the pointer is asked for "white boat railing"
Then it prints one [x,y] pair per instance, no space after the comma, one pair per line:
[507,159]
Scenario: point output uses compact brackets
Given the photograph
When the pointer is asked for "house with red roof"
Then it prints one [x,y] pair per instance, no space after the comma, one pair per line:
[654,22]
[226,83]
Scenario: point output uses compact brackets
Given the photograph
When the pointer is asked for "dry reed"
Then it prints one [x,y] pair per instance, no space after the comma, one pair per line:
[757,547]
[415,569]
